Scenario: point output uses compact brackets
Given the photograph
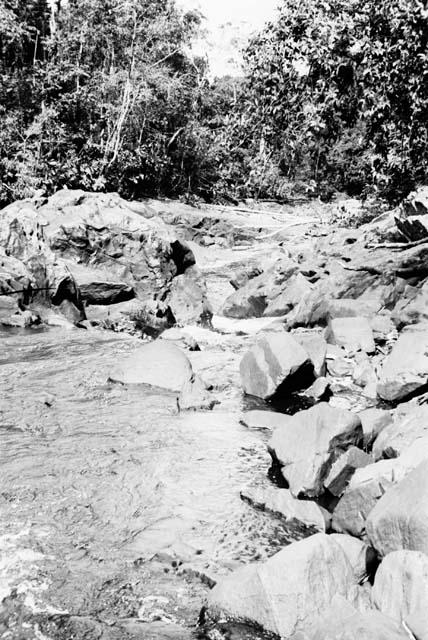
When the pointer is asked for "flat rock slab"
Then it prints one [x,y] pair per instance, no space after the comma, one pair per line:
[405,370]
[158,363]
[263,420]
[281,503]
[307,445]
[355,334]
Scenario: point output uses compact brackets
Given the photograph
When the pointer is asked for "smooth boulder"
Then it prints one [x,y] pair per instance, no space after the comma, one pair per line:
[285,594]
[158,364]
[342,621]
[400,588]
[274,364]
[308,444]
[405,370]
[400,518]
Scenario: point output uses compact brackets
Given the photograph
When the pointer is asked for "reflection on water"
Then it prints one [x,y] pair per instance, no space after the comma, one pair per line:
[109,497]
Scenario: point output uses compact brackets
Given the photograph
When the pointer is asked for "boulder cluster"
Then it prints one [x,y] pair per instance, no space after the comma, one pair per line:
[350,471]
[89,259]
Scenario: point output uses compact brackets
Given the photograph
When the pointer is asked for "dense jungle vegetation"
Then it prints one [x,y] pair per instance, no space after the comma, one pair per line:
[106,95]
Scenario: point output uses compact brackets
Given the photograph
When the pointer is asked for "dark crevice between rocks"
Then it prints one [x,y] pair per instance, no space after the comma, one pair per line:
[182,257]
[301,379]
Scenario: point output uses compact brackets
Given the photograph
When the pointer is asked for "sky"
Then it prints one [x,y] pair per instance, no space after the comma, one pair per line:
[229,24]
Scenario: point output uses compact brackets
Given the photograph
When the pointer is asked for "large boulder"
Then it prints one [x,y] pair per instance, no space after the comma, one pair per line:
[342,621]
[158,364]
[251,300]
[304,514]
[365,488]
[296,287]
[405,370]
[400,518]
[400,588]
[410,423]
[354,334]
[370,483]
[285,594]
[97,287]
[276,364]
[308,444]
[116,249]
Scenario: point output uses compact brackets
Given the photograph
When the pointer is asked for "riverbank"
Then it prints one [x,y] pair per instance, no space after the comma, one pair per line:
[120,510]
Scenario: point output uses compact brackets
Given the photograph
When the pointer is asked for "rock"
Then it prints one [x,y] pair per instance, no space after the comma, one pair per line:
[188,298]
[97,287]
[360,555]
[241,277]
[400,588]
[343,622]
[296,287]
[8,306]
[349,308]
[180,338]
[116,250]
[285,594]
[252,299]
[382,326]
[312,308]
[276,364]
[373,422]
[344,468]
[158,364]
[412,309]
[408,425]
[400,518]
[194,396]
[405,370]
[262,420]
[308,444]
[354,334]
[364,373]
[280,502]
[340,367]
[319,390]
[316,348]
[418,624]
[365,488]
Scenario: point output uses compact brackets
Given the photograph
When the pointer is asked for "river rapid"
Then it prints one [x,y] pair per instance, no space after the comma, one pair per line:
[118,511]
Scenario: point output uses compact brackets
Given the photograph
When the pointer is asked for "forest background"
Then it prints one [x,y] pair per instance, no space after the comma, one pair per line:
[106,95]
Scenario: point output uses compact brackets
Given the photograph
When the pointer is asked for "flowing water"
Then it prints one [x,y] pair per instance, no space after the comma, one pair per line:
[116,510]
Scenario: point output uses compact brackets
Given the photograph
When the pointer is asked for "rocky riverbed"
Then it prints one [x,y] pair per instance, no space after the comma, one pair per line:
[212,421]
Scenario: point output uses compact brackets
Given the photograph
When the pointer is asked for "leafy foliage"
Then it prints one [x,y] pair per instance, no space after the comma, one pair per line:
[104,95]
